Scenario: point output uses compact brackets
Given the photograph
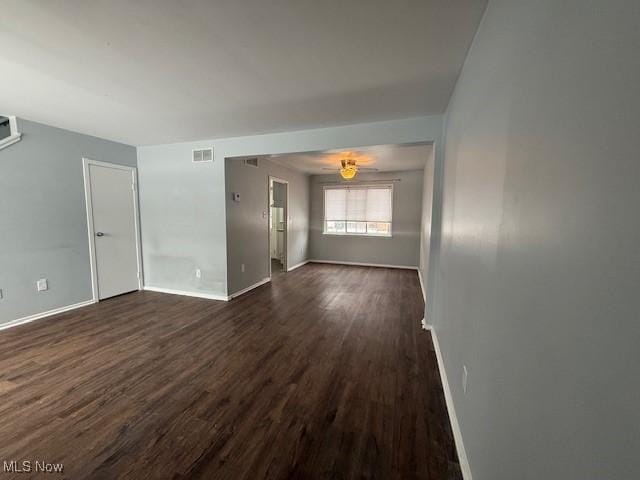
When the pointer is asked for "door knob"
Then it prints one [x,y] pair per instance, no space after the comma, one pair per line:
[99,234]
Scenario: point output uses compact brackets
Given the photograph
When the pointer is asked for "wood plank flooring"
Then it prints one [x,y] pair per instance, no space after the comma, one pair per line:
[323,374]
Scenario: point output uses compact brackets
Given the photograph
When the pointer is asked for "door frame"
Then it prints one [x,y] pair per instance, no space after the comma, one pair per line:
[86,163]
[285,263]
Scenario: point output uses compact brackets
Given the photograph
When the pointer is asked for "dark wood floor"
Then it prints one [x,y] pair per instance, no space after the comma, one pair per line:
[324,373]
[276,267]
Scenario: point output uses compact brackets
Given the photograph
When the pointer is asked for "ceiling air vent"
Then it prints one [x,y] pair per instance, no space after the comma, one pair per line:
[204,155]
[251,162]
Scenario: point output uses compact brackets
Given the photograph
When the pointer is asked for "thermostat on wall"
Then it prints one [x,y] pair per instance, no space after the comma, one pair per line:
[236,197]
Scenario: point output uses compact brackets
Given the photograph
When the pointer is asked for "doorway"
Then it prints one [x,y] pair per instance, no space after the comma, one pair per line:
[278,225]
[113,226]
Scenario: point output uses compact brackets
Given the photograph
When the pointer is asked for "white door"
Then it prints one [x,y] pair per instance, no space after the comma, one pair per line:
[113,210]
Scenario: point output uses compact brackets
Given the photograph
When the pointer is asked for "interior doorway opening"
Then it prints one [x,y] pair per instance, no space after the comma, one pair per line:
[278,219]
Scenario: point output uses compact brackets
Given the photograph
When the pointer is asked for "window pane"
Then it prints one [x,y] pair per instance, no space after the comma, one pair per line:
[335,227]
[378,206]
[378,228]
[335,204]
[356,227]
[356,204]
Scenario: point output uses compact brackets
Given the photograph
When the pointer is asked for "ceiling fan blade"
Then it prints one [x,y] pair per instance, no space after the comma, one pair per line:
[368,169]
[332,169]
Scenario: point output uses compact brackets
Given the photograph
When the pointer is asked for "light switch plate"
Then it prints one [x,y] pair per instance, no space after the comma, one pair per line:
[42,285]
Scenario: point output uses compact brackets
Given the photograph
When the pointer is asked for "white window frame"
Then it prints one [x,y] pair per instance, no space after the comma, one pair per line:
[351,234]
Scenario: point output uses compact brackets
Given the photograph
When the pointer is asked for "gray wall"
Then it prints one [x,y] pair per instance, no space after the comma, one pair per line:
[537,289]
[183,205]
[401,249]
[248,229]
[182,219]
[44,223]
[425,222]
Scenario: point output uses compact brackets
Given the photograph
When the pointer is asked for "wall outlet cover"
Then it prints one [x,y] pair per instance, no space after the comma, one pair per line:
[42,285]
[198,273]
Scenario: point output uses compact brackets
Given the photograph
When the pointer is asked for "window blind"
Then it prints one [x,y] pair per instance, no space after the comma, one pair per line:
[365,210]
[364,204]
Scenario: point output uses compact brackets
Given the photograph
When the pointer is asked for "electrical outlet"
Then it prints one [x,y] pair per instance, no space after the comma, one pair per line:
[42,285]
[242,268]
[1,297]
[465,375]
[198,273]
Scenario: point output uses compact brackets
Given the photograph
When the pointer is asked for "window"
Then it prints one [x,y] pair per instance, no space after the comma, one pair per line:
[361,210]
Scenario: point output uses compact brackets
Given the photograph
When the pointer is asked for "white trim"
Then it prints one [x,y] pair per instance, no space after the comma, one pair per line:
[48,313]
[10,140]
[285,263]
[86,163]
[209,296]
[251,287]
[424,293]
[361,264]
[14,134]
[455,426]
[298,265]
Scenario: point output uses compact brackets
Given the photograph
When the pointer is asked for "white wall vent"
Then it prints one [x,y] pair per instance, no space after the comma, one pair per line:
[203,155]
[251,162]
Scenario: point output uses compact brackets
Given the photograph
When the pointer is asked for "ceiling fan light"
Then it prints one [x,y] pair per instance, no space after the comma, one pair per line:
[348,172]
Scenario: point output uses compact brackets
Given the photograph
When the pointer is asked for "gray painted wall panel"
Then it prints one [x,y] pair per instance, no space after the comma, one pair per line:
[538,280]
[426,222]
[247,229]
[402,249]
[183,206]
[43,231]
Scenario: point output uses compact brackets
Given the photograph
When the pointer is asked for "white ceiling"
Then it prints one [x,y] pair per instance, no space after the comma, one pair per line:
[161,71]
[386,158]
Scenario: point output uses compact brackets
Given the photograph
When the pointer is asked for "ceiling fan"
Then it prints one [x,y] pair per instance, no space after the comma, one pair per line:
[348,168]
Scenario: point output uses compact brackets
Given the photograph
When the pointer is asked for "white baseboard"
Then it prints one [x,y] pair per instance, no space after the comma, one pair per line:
[424,293]
[250,287]
[455,426]
[360,264]
[298,265]
[38,316]
[210,296]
